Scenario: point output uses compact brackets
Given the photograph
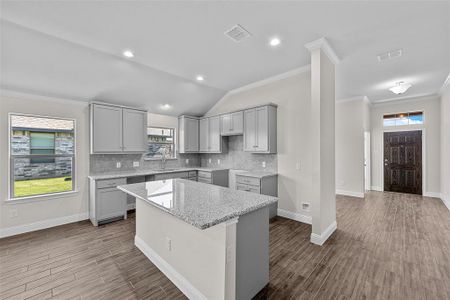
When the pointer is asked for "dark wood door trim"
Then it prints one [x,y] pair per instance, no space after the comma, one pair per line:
[403,161]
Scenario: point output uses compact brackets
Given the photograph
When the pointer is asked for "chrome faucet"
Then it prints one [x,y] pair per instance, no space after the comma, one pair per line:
[163,152]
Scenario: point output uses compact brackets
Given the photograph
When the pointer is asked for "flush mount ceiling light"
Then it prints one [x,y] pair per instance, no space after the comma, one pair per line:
[165,106]
[400,87]
[128,53]
[200,78]
[274,42]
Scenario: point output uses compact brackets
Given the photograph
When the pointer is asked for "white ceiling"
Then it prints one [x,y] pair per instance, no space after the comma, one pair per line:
[73,48]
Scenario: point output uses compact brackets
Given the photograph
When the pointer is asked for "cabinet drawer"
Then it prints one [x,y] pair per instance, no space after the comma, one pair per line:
[204,180]
[248,180]
[192,174]
[248,188]
[101,184]
[204,174]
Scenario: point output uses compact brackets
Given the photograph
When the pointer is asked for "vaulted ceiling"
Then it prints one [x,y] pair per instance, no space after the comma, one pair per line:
[73,49]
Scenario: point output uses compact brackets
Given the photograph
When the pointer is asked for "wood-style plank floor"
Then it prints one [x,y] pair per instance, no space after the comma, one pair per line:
[388,246]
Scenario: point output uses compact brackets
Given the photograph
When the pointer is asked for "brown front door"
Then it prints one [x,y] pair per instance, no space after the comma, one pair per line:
[403,162]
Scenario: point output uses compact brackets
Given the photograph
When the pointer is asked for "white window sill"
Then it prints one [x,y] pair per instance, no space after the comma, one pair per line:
[40,197]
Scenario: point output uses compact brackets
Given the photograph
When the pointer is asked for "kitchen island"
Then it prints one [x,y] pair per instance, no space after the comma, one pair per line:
[212,242]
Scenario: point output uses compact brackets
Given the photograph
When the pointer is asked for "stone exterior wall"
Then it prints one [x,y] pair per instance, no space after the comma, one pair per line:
[26,168]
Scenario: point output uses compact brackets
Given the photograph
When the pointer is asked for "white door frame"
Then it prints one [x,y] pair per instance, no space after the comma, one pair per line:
[400,129]
[367,162]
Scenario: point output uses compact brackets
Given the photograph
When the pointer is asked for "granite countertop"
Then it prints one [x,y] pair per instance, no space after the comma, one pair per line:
[256,174]
[199,204]
[134,173]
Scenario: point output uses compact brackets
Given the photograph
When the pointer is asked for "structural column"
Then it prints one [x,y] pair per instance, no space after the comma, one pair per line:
[323,193]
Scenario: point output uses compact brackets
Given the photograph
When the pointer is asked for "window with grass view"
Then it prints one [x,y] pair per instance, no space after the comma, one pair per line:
[42,155]
[402,119]
[160,142]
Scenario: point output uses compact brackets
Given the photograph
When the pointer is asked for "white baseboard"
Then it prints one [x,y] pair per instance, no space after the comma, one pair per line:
[350,193]
[294,216]
[320,239]
[446,200]
[182,283]
[432,194]
[376,188]
[10,231]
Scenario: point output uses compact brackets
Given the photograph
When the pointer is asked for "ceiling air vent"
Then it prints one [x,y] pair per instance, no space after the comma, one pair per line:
[237,33]
[389,55]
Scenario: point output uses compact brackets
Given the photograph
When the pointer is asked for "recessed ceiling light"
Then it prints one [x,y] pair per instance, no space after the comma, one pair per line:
[165,106]
[400,87]
[274,42]
[128,53]
[200,78]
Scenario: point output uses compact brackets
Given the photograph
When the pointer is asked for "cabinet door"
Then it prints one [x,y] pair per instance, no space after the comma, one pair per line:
[262,129]
[192,135]
[204,135]
[214,135]
[110,203]
[226,124]
[237,122]
[250,130]
[134,130]
[106,129]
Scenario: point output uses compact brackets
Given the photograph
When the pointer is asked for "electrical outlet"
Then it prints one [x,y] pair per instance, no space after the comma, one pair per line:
[169,244]
[305,206]
[187,161]
[218,161]
[209,161]
[118,164]
[135,164]
[13,213]
[263,164]
[297,166]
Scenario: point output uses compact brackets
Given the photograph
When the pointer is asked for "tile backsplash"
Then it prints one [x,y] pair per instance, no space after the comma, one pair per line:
[236,158]
[105,163]
[233,158]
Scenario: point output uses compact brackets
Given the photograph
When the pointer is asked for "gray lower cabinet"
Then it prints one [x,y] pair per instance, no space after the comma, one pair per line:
[107,203]
[216,177]
[266,185]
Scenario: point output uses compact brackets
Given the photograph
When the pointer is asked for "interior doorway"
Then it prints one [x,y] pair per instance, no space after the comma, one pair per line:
[403,162]
[367,174]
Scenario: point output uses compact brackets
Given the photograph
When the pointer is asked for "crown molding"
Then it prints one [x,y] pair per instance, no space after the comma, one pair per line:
[405,99]
[266,81]
[323,44]
[444,86]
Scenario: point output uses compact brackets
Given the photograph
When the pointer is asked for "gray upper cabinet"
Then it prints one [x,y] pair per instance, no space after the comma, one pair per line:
[134,130]
[188,131]
[106,129]
[204,135]
[115,129]
[232,123]
[210,138]
[260,129]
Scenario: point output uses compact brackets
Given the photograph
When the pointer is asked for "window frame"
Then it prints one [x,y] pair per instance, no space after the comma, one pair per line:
[404,125]
[11,197]
[174,142]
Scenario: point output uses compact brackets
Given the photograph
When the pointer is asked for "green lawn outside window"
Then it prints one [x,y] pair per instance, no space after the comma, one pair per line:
[33,187]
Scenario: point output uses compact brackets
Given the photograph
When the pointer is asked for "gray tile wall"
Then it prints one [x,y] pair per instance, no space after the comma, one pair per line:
[236,158]
[233,158]
[105,163]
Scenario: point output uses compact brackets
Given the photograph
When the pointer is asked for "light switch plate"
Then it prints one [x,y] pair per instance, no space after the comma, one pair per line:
[118,164]
[297,166]
[218,161]
[263,164]
[135,164]
[187,161]
[209,161]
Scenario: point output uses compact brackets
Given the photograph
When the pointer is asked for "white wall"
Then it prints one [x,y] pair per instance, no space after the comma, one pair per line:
[293,97]
[162,120]
[48,211]
[445,146]
[432,114]
[351,122]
